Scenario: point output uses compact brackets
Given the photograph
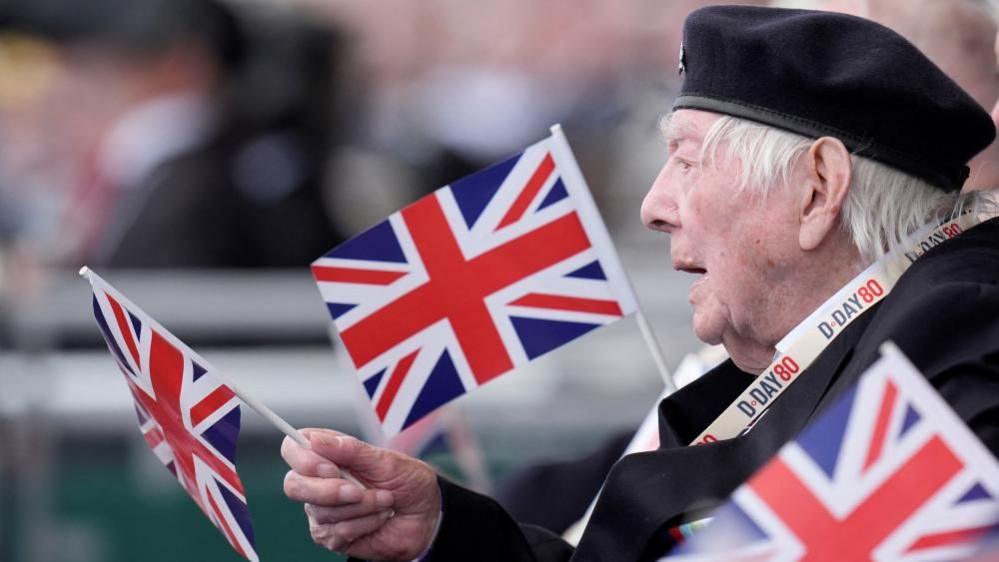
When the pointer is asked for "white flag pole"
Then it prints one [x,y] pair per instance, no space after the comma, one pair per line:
[653,344]
[647,334]
[258,406]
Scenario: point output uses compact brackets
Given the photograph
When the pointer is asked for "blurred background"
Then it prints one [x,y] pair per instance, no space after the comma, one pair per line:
[199,154]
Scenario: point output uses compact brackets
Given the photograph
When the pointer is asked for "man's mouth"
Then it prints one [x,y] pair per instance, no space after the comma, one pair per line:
[689,268]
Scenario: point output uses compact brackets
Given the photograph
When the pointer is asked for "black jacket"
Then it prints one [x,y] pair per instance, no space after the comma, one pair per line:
[943,313]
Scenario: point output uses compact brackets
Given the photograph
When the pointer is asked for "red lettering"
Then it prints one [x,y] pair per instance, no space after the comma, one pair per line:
[870,291]
[788,363]
[865,294]
[707,439]
[875,287]
[781,372]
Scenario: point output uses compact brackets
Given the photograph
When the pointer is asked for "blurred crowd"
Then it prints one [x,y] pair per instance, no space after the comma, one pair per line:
[163,134]
[211,133]
[204,134]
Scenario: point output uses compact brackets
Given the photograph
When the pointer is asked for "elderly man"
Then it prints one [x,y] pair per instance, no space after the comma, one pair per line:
[803,146]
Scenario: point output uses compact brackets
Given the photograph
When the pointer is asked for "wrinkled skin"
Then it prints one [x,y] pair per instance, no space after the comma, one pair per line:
[393,519]
[763,261]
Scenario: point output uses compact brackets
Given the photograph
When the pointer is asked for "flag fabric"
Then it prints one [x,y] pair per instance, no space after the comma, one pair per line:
[469,282]
[189,419]
[889,473]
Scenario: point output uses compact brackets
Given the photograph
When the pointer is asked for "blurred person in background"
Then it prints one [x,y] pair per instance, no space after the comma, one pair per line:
[995,106]
[960,37]
[32,162]
[162,107]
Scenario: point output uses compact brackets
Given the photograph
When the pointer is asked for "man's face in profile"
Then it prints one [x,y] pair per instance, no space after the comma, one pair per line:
[734,240]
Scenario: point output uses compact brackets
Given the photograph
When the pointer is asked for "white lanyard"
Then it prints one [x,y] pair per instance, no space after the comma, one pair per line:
[807,340]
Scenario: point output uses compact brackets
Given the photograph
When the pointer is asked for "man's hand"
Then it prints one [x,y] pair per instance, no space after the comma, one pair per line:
[394,519]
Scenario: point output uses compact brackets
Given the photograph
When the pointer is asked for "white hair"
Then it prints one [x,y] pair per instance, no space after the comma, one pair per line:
[883,206]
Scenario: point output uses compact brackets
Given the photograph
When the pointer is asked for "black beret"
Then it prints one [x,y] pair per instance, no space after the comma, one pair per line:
[826,74]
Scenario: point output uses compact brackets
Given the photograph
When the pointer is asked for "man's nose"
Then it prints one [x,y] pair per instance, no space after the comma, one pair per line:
[660,210]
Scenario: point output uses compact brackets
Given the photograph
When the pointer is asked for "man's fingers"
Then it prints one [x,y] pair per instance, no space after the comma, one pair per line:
[339,537]
[330,492]
[379,500]
[306,462]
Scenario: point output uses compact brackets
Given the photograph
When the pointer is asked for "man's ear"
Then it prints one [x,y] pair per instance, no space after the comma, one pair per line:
[827,173]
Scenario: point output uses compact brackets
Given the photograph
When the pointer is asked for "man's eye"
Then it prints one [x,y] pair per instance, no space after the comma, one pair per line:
[685,166]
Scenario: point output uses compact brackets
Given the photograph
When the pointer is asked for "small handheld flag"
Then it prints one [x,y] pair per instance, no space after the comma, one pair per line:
[471,281]
[889,473]
[188,416]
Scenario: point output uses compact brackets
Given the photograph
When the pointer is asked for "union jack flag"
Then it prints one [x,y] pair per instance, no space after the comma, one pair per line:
[471,281]
[888,473]
[188,418]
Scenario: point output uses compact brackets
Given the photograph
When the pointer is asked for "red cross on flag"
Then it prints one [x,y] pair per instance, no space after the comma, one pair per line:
[481,276]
